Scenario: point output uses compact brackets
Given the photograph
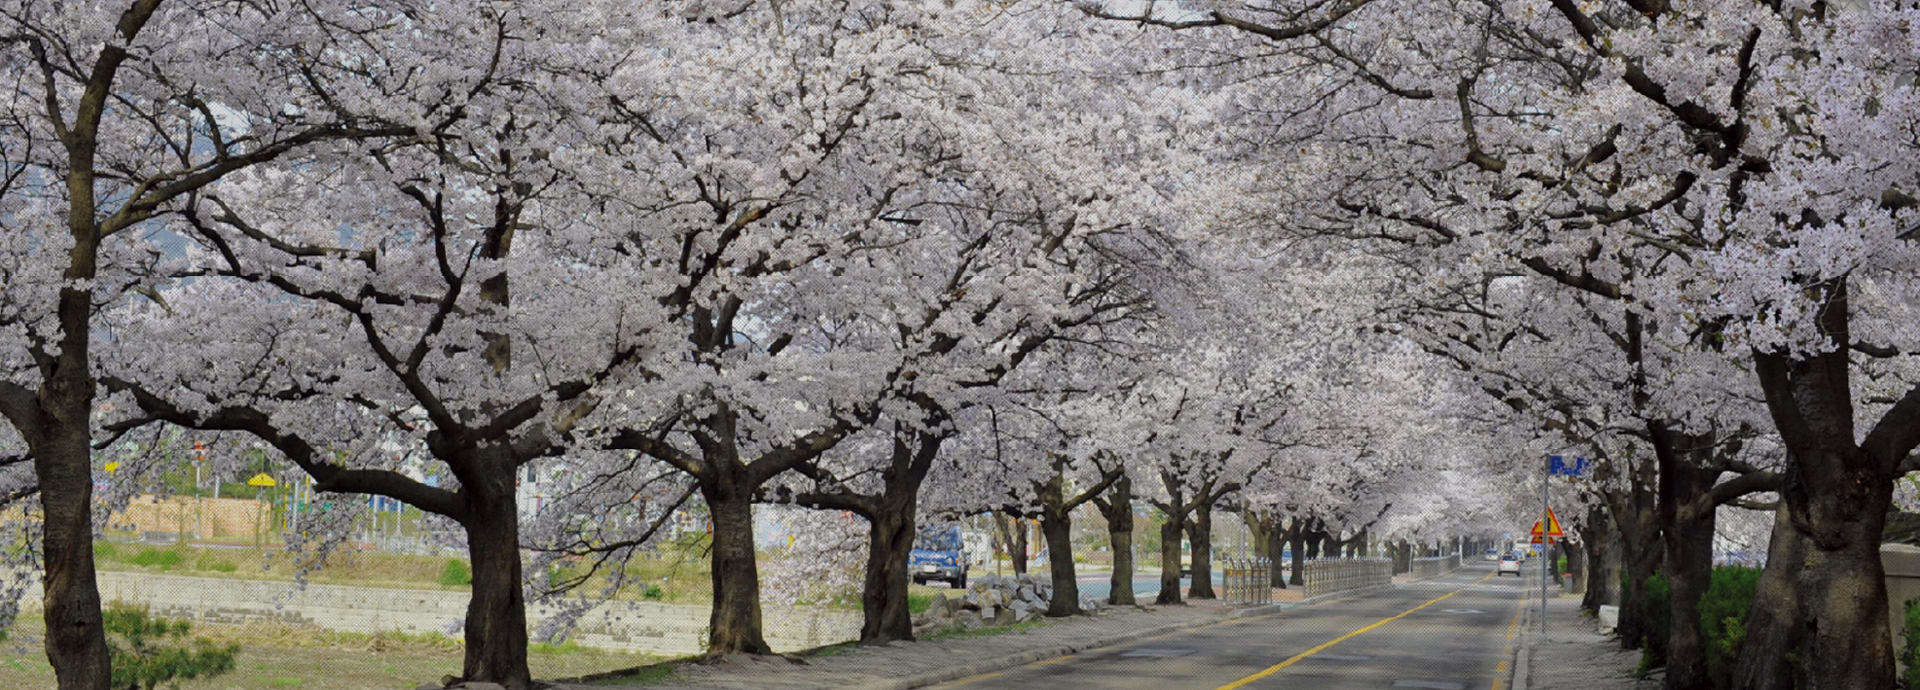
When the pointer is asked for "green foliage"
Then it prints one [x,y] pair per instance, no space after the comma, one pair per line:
[1910,646]
[165,559]
[1723,617]
[455,574]
[918,603]
[1658,614]
[146,651]
[104,551]
[653,593]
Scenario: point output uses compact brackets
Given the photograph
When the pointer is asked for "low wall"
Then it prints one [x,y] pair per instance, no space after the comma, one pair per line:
[635,626]
[1329,575]
[1433,566]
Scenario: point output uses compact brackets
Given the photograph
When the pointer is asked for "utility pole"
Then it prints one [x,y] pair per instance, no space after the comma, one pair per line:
[1546,479]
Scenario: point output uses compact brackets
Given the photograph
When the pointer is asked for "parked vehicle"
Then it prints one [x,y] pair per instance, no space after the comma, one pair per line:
[939,554]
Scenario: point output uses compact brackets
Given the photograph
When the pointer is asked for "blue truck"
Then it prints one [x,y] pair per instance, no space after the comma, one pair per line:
[939,554]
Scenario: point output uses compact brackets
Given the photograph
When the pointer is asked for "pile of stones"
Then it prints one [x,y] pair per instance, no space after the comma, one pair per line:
[992,601]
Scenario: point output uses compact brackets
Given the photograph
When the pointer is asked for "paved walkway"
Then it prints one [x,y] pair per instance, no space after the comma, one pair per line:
[1575,655]
[904,665]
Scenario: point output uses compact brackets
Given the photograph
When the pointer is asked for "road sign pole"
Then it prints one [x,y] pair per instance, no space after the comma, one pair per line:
[1546,544]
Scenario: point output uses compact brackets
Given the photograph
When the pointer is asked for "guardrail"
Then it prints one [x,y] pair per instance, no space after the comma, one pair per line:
[1436,565]
[1248,581]
[1329,575]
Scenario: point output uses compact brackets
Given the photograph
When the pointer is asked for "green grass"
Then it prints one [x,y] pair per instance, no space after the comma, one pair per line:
[829,650]
[651,674]
[918,603]
[455,574]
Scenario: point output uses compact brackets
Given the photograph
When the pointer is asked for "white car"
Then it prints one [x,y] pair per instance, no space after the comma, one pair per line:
[1509,564]
[1493,554]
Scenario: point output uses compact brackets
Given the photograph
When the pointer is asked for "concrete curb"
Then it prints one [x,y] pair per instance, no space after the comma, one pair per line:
[1522,667]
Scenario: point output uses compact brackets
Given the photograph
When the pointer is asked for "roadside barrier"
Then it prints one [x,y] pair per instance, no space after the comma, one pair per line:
[1437,565]
[1329,575]
[1248,581]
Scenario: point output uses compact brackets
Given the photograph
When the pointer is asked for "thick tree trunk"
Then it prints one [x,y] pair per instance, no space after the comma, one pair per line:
[496,626]
[1641,562]
[1577,567]
[76,643]
[1018,550]
[1774,634]
[883,593]
[1838,485]
[1686,511]
[1118,509]
[1200,536]
[1170,533]
[735,624]
[1057,526]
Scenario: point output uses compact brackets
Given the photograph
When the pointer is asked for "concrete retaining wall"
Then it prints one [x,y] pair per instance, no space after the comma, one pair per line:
[636,626]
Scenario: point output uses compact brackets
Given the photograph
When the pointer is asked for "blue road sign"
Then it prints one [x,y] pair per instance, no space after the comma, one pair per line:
[1560,465]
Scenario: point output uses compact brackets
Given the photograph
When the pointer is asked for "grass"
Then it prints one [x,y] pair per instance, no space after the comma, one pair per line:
[650,674]
[277,656]
[960,633]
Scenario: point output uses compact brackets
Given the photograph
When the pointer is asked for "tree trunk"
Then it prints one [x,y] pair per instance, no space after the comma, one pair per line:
[1018,550]
[496,626]
[1298,534]
[76,643]
[1577,567]
[1602,543]
[1118,509]
[1640,563]
[1774,634]
[883,593]
[1170,533]
[1200,536]
[1057,526]
[1276,548]
[1686,511]
[735,624]
[1838,485]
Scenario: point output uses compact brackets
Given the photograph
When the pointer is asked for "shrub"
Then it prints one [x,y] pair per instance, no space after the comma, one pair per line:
[455,574]
[653,592]
[1723,617]
[146,652]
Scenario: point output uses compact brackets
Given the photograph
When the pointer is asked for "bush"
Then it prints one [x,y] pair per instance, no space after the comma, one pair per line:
[653,593]
[1910,646]
[455,574]
[1723,617]
[146,652]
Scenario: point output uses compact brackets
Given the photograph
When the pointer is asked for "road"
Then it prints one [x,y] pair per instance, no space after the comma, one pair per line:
[1448,633]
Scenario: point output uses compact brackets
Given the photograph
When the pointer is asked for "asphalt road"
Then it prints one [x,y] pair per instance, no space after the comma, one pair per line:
[1448,633]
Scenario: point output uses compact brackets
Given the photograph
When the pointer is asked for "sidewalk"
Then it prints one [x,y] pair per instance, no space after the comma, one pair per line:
[903,665]
[1575,655]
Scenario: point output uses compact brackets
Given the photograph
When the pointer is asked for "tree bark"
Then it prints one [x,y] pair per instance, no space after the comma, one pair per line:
[496,625]
[1118,510]
[76,643]
[1170,533]
[1602,560]
[883,593]
[1298,534]
[1774,633]
[734,626]
[1276,548]
[1057,526]
[1200,536]
[1686,511]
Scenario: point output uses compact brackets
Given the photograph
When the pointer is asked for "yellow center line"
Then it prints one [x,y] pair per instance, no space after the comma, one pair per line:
[1270,670]
[1506,652]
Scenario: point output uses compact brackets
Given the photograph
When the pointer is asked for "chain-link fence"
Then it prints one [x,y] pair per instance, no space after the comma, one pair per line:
[1329,575]
[1249,581]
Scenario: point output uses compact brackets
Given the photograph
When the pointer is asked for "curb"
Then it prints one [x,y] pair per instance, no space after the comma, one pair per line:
[1523,658]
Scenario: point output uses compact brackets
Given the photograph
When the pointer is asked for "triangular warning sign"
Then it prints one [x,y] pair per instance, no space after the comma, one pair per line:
[261,479]
[1553,527]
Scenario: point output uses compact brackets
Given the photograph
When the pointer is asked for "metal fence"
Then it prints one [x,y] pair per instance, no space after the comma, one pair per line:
[1248,581]
[1329,575]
